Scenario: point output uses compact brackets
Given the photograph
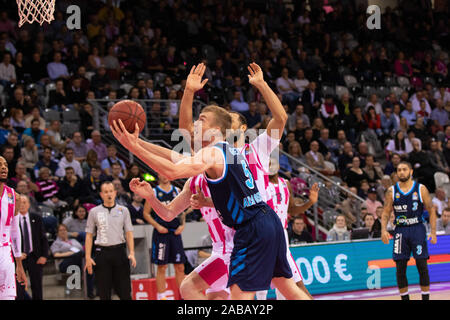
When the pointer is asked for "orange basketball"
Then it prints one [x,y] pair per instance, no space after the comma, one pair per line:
[130,112]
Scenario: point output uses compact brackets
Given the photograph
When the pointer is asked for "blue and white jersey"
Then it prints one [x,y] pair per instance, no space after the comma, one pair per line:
[235,194]
[166,197]
[408,207]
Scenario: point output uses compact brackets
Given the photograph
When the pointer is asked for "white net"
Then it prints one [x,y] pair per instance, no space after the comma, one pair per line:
[35,10]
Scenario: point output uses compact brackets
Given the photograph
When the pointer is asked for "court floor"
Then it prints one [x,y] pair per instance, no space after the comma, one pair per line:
[438,291]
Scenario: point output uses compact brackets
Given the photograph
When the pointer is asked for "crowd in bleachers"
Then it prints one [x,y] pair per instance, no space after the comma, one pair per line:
[358,100]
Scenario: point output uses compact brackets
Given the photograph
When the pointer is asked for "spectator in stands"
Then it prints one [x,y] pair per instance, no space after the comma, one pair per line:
[91,186]
[373,170]
[7,71]
[437,157]
[298,114]
[440,201]
[123,198]
[443,223]
[371,202]
[373,121]
[286,87]
[54,132]
[330,114]
[238,103]
[349,207]
[298,233]
[70,187]
[373,102]
[355,174]
[48,162]
[69,252]
[345,106]
[355,124]
[8,154]
[91,160]
[399,145]
[369,222]
[13,142]
[331,145]
[112,158]
[57,69]
[47,187]
[100,82]
[315,159]
[285,165]
[136,210]
[34,131]
[417,98]
[402,66]
[79,147]
[346,158]
[388,123]
[363,191]
[253,117]
[21,175]
[311,100]
[424,169]
[439,115]
[76,95]
[98,146]
[409,114]
[76,224]
[295,151]
[29,153]
[339,231]
[17,120]
[58,99]
[300,82]
[69,161]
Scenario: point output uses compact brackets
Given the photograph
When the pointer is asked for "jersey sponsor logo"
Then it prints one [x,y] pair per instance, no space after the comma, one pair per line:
[160,195]
[415,196]
[401,208]
[174,194]
[397,195]
[398,243]
[161,251]
[403,221]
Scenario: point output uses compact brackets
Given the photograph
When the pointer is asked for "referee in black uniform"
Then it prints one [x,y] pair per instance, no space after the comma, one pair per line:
[112,224]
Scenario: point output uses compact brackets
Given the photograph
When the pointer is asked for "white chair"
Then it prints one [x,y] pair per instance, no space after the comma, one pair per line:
[403,82]
[126,87]
[340,90]
[89,75]
[440,179]
[350,81]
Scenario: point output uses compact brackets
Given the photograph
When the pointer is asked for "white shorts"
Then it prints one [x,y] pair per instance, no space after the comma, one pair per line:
[296,275]
[7,274]
[214,271]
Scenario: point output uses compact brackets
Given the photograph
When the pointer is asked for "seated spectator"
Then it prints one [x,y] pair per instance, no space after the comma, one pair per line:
[13,142]
[69,252]
[363,191]
[21,175]
[422,113]
[76,224]
[416,99]
[373,121]
[372,203]
[305,141]
[295,151]
[136,210]
[58,99]
[87,120]
[373,170]
[437,157]
[69,161]
[238,103]
[354,175]
[399,145]
[439,115]
[5,128]
[285,165]
[298,114]
[134,171]
[298,233]
[70,187]
[123,198]
[56,69]
[391,166]
[97,145]
[46,161]
[424,169]
[382,188]
[388,122]
[315,159]
[116,171]
[369,221]
[286,87]
[253,117]
[440,201]
[7,71]
[373,102]
[339,231]
[409,114]
[17,120]
[378,217]
[80,148]
[300,82]
[8,154]
[35,115]
[34,132]
[112,158]
[20,100]
[91,186]
[47,187]
[91,160]
[29,153]
[54,132]
[331,145]
[443,223]
[346,158]
[402,66]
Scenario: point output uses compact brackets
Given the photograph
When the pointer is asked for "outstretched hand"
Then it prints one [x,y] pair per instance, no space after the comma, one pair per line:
[314,193]
[129,140]
[194,80]
[198,200]
[141,188]
[256,75]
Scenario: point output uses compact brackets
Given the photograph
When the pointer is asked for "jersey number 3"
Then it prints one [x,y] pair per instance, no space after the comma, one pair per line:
[249,182]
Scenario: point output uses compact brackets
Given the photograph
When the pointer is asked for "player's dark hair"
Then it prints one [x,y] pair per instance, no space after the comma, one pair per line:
[241,118]
[104,183]
[405,163]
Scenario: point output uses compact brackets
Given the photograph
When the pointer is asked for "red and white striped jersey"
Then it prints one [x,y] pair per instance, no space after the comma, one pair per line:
[221,235]
[257,154]
[7,209]
[279,199]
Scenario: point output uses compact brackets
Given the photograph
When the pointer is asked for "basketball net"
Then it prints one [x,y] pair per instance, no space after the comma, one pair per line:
[35,10]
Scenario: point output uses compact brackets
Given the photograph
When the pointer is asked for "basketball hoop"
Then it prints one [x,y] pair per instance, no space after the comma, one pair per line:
[36,10]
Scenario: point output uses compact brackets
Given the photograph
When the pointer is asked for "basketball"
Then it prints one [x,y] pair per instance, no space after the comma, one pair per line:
[130,112]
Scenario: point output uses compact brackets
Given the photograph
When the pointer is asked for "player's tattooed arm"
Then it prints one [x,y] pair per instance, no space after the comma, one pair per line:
[388,202]
[428,204]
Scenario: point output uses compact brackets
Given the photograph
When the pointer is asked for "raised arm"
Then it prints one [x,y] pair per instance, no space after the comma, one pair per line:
[276,125]
[295,209]
[193,84]
[388,202]
[431,210]
[161,151]
[167,212]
